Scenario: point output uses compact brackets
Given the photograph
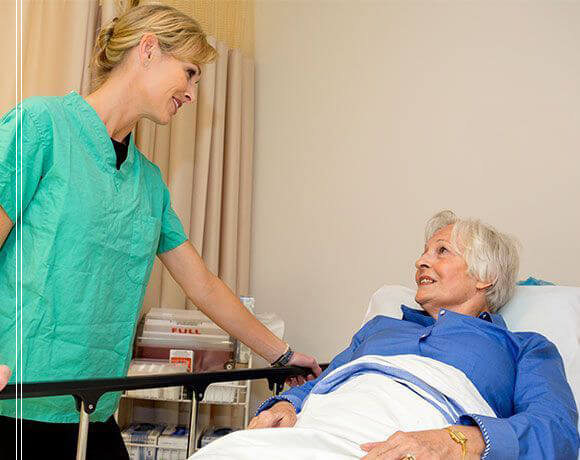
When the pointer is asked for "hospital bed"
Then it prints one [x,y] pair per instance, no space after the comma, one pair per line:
[370,395]
[553,311]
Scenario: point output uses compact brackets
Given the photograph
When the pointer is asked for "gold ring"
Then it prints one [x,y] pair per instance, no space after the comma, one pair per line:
[409,457]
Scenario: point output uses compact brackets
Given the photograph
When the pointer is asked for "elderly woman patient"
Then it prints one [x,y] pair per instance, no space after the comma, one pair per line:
[448,382]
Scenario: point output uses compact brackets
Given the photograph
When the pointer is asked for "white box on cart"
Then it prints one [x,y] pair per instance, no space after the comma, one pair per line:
[165,453]
[172,443]
[146,434]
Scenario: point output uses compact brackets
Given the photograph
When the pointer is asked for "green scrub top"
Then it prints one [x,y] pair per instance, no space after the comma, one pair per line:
[89,237]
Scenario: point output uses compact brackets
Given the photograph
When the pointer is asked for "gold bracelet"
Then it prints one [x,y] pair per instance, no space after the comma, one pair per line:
[459,438]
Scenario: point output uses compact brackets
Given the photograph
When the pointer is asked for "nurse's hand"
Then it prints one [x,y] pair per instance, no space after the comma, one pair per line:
[280,415]
[298,359]
[5,374]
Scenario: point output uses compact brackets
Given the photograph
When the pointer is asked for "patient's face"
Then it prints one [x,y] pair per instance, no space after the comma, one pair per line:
[442,278]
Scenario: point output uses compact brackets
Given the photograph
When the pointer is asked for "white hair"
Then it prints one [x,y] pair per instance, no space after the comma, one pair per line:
[491,256]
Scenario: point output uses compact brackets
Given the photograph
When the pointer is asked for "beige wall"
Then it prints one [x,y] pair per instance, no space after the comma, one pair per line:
[372,116]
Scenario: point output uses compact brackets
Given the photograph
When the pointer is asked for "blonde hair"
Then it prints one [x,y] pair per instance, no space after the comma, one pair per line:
[177,33]
[490,255]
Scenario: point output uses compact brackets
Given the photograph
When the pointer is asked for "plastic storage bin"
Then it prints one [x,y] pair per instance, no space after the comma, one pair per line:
[143,367]
[165,329]
[222,392]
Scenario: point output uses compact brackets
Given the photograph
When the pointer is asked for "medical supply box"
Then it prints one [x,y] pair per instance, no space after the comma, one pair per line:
[142,433]
[172,443]
[167,329]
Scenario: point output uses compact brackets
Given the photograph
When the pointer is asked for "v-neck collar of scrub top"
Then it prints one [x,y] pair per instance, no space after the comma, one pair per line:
[105,155]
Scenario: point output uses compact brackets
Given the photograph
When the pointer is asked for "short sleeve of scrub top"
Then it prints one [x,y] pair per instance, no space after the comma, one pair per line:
[28,168]
[172,234]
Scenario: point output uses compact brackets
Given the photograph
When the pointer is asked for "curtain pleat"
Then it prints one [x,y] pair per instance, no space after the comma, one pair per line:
[109,9]
[181,163]
[211,235]
[246,167]
[203,142]
[44,19]
[231,187]
[8,51]
[91,26]
[52,62]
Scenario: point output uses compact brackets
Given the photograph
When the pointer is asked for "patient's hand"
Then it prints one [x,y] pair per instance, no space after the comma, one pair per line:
[4,376]
[280,415]
[428,444]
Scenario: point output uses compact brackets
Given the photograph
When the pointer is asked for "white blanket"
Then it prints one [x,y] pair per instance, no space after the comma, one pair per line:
[366,406]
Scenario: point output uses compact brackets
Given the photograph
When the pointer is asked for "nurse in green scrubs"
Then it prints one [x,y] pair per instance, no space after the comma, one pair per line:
[95,213]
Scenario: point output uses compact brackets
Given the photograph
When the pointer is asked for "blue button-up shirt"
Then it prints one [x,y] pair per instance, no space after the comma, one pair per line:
[519,374]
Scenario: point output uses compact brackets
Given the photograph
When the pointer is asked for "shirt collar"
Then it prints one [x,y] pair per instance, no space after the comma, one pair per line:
[424,319]
[417,316]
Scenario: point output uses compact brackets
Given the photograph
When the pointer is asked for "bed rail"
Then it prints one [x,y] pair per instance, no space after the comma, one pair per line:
[88,392]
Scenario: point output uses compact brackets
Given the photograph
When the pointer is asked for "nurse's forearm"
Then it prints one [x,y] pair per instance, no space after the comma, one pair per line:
[6,225]
[226,310]
[218,302]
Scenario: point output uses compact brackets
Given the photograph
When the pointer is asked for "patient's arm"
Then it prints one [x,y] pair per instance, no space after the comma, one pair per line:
[280,415]
[545,415]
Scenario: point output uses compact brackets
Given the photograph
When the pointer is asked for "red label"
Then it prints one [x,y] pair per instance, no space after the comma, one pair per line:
[183,330]
[186,361]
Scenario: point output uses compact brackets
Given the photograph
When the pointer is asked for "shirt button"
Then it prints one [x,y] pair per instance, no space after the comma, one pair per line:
[442,312]
[424,336]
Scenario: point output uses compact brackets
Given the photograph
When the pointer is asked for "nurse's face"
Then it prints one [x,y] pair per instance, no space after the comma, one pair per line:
[442,278]
[168,83]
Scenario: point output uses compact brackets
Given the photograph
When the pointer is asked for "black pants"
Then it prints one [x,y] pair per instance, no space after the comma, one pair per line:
[59,440]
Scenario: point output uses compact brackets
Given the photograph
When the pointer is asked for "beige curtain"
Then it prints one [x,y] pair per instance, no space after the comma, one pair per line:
[57,40]
[205,153]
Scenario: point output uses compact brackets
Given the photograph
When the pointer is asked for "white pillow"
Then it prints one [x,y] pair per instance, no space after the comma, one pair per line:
[553,311]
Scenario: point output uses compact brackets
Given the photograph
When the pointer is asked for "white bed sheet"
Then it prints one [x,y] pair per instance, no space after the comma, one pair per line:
[366,408]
